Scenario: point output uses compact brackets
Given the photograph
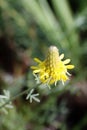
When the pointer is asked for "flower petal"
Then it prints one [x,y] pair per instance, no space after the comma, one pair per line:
[34,67]
[69,66]
[66,61]
[36,71]
[68,74]
[37,60]
[61,56]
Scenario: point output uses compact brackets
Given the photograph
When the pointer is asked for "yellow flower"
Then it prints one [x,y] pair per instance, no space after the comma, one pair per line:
[52,69]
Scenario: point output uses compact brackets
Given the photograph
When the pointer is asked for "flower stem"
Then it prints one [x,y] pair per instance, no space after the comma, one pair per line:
[16,96]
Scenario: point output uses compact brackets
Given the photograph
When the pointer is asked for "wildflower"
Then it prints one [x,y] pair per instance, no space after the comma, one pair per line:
[52,69]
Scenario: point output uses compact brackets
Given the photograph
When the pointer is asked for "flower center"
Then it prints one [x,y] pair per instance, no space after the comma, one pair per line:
[52,60]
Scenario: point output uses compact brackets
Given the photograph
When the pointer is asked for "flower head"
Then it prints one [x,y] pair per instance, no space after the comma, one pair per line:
[52,69]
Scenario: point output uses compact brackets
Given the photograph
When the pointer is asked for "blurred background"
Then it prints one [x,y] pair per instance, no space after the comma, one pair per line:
[27,29]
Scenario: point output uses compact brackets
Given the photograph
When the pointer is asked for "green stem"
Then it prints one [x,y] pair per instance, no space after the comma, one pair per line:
[16,96]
